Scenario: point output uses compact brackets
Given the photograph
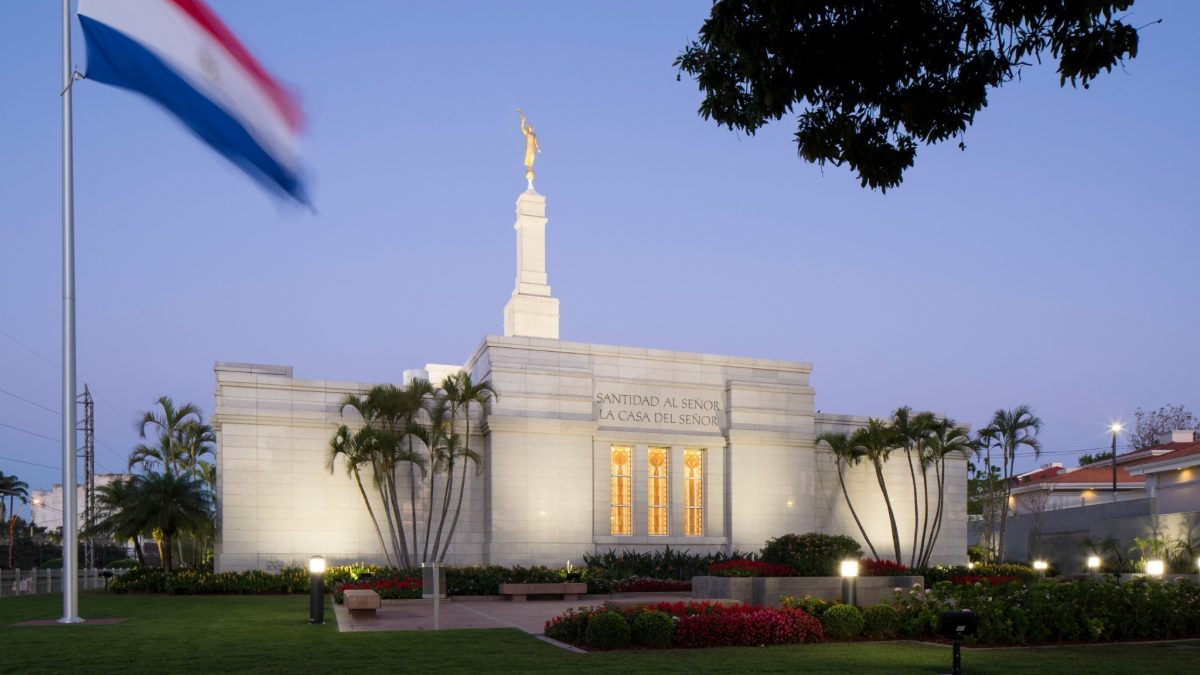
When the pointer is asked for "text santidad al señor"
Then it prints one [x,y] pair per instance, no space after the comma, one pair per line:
[644,409]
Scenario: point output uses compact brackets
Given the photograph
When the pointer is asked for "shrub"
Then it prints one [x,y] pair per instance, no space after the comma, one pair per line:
[811,555]
[749,568]
[869,567]
[653,629]
[571,626]
[608,630]
[388,589]
[742,625]
[881,621]
[1052,611]
[939,573]
[140,580]
[810,605]
[642,585]
[842,621]
[52,564]
[124,563]
[969,579]
[666,564]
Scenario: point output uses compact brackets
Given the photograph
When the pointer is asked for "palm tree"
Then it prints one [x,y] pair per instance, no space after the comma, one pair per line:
[14,489]
[115,518]
[413,402]
[945,439]
[170,425]
[845,455]
[876,442]
[911,432]
[434,435]
[1009,430]
[373,408]
[355,449]
[170,504]
[467,393]
[196,440]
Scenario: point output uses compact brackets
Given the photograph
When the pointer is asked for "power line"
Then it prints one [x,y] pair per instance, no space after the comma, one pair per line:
[21,461]
[31,350]
[50,438]
[32,403]
[31,433]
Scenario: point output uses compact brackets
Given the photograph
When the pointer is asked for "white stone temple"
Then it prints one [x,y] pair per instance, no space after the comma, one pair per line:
[588,448]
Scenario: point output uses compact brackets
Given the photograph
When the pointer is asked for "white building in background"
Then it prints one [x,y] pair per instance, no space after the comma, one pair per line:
[589,447]
[46,505]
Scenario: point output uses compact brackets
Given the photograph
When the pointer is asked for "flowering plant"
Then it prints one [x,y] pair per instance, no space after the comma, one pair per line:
[388,589]
[869,567]
[749,568]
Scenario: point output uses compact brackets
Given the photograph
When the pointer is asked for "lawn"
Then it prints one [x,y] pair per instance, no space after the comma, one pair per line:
[270,634]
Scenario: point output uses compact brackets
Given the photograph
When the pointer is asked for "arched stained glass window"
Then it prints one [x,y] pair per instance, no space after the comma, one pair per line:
[621,489]
[656,492]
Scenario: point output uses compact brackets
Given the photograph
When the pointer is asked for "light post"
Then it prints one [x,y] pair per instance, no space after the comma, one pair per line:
[1115,428]
[316,589]
[1093,563]
[1041,566]
[849,582]
[1155,568]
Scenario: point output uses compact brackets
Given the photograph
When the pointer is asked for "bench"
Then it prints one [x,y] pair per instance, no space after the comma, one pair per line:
[362,600]
[570,590]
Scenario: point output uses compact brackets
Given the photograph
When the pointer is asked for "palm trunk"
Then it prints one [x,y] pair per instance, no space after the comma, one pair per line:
[938,482]
[462,488]
[395,505]
[1003,508]
[371,512]
[12,524]
[937,529]
[165,549]
[891,514]
[445,506]
[854,513]
[412,495]
[912,561]
[924,516]
[429,515]
[391,525]
[137,550]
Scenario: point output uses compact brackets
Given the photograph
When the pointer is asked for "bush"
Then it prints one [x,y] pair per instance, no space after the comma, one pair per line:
[938,573]
[749,568]
[653,629]
[124,563]
[388,589]
[1053,611]
[881,622]
[608,630]
[640,585]
[810,605]
[140,580]
[570,627]
[52,564]
[666,564]
[811,555]
[842,621]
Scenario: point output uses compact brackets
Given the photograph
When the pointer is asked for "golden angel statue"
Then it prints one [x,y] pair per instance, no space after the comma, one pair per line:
[531,146]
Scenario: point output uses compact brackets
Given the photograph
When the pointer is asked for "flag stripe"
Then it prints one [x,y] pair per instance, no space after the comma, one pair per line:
[212,24]
[116,59]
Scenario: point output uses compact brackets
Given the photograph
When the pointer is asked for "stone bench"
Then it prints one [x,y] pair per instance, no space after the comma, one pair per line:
[362,600]
[570,590]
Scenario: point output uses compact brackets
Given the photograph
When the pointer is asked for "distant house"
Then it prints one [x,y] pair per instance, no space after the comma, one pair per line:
[1171,468]
[1172,474]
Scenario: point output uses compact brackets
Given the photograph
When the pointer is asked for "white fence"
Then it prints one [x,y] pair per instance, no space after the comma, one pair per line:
[29,582]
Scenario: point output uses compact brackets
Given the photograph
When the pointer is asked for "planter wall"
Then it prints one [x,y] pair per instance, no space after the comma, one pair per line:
[767,591]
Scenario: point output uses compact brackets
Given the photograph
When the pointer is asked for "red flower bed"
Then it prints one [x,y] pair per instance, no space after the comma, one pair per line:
[388,589]
[743,625]
[869,567]
[971,579]
[749,568]
[653,586]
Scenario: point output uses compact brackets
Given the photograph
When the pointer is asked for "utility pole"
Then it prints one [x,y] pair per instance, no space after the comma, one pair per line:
[88,451]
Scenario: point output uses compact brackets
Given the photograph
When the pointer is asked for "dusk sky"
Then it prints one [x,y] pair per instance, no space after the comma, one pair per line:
[1053,262]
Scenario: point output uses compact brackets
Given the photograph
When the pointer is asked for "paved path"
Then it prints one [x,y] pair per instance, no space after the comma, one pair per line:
[529,616]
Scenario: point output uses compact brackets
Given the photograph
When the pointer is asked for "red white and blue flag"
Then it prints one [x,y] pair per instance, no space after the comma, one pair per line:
[180,54]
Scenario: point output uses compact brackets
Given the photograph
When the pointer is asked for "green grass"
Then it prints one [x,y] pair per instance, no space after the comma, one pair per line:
[271,634]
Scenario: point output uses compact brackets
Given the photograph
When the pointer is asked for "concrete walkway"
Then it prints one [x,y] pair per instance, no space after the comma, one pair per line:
[529,616]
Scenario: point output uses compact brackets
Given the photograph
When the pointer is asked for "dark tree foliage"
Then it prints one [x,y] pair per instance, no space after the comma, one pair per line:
[874,78]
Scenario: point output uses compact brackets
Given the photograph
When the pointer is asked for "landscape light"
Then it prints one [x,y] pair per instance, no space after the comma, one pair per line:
[850,582]
[970,565]
[316,589]
[1094,563]
[1041,566]
[1155,568]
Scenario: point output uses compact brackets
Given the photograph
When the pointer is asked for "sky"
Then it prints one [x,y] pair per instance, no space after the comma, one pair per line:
[1051,263]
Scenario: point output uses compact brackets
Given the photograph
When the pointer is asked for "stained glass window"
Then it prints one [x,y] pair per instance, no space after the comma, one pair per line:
[693,493]
[656,491]
[621,489]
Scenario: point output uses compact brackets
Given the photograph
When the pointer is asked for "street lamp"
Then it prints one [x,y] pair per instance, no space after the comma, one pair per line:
[316,589]
[1115,428]
[849,582]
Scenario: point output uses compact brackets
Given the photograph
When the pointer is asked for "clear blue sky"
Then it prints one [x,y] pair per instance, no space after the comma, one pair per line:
[1053,263]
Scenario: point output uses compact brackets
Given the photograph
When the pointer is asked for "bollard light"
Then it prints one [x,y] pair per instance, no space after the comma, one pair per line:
[1041,566]
[970,565]
[316,589]
[849,571]
[1155,568]
[1093,563]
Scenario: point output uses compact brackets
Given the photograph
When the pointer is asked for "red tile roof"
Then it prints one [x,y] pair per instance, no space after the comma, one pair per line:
[1177,451]
[1092,473]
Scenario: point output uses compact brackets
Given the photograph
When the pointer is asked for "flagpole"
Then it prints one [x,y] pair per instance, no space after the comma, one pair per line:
[70,511]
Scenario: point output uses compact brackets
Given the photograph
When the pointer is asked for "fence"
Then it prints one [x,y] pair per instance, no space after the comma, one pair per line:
[33,581]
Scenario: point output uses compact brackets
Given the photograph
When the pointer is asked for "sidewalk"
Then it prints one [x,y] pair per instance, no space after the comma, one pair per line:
[529,616]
